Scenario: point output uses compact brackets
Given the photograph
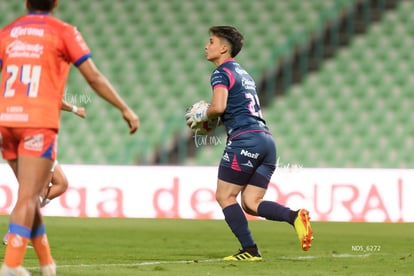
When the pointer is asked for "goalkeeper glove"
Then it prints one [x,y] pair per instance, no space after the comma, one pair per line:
[196,113]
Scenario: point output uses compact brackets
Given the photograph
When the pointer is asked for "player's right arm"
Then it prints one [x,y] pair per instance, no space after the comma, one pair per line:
[103,88]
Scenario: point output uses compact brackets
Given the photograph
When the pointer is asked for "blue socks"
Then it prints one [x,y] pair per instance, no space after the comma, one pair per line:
[274,211]
[19,230]
[237,222]
[38,231]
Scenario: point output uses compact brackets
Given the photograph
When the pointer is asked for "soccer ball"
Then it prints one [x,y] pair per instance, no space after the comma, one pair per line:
[202,128]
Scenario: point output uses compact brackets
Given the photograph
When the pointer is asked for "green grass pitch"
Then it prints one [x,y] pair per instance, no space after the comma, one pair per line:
[114,246]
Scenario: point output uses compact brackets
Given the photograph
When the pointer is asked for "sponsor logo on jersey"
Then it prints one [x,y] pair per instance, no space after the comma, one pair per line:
[14,117]
[18,31]
[240,71]
[249,154]
[248,84]
[22,49]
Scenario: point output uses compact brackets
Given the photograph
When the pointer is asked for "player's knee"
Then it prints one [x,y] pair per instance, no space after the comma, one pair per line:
[225,200]
[60,180]
[250,205]
[65,184]
[27,200]
[220,198]
[247,209]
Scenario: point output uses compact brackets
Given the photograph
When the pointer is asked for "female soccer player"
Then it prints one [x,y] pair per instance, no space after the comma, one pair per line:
[36,51]
[249,158]
[58,183]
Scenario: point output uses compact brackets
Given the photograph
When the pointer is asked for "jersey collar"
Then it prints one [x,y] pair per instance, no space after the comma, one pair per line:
[38,13]
[228,60]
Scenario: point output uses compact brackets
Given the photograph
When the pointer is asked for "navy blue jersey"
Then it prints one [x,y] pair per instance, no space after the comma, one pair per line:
[243,108]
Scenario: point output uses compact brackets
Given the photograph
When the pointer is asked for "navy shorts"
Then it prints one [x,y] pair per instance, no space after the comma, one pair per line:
[249,158]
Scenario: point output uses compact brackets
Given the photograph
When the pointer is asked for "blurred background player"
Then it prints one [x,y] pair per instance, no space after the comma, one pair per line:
[249,159]
[58,183]
[36,51]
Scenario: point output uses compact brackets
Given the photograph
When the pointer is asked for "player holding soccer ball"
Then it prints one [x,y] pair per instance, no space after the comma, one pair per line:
[249,158]
[202,127]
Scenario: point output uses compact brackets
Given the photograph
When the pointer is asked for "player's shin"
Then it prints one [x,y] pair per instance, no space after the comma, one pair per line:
[274,211]
[41,245]
[238,224]
[17,241]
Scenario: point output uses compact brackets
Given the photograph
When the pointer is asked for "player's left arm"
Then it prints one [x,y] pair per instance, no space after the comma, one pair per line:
[78,110]
[218,102]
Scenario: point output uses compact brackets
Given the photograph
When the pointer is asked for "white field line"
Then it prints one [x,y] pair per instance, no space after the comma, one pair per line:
[327,256]
[136,264]
[149,263]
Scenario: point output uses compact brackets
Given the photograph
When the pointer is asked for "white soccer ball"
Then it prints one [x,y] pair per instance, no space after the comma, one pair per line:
[203,128]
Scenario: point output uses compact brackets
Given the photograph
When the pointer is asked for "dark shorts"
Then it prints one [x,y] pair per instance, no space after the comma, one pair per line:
[249,158]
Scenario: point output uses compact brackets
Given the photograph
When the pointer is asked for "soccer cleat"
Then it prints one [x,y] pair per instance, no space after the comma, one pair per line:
[48,270]
[244,255]
[17,271]
[303,229]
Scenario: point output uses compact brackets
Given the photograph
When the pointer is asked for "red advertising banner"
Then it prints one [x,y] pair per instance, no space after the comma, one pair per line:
[370,195]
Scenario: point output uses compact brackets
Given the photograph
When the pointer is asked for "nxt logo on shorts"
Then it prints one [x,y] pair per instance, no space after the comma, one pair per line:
[249,154]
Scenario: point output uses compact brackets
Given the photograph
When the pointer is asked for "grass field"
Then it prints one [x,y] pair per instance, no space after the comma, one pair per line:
[89,246]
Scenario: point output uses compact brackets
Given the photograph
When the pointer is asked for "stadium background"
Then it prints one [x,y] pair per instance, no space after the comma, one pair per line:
[334,76]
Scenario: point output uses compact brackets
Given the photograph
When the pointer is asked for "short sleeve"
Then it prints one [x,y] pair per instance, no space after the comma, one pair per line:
[77,49]
[219,78]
